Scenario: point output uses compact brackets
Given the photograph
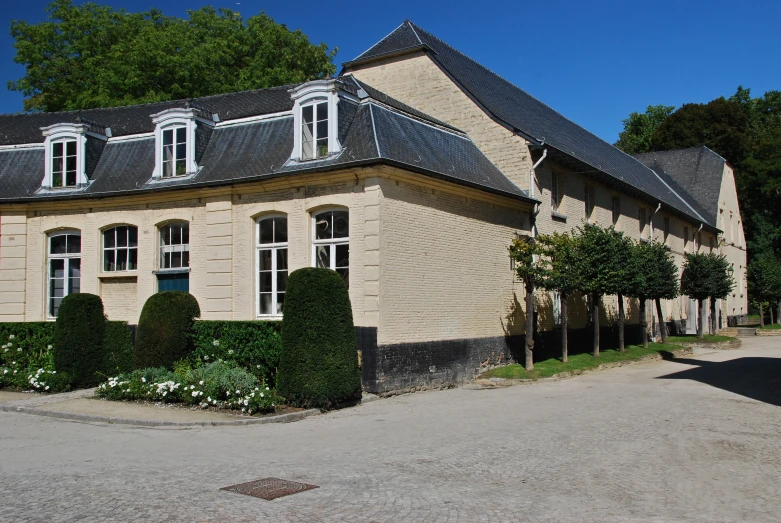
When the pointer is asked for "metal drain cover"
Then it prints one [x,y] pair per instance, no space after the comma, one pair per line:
[269,488]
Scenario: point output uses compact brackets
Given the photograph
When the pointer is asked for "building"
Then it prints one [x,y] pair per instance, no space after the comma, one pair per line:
[409,174]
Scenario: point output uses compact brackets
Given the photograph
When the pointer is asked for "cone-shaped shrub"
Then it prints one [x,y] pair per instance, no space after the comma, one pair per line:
[164,329]
[78,339]
[319,362]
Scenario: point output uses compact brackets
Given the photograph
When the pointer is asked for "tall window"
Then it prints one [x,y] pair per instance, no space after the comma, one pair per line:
[588,198]
[666,230]
[642,218]
[555,197]
[175,246]
[314,131]
[331,245]
[174,152]
[271,265]
[120,248]
[616,208]
[685,239]
[64,267]
[64,163]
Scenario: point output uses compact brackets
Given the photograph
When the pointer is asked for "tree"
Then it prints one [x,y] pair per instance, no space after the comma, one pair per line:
[559,274]
[165,329]
[599,255]
[88,55]
[695,282]
[638,286]
[720,284]
[661,280]
[78,339]
[524,252]
[764,282]
[639,127]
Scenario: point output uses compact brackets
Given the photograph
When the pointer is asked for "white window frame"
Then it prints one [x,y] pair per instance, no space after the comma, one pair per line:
[332,243]
[67,258]
[62,133]
[615,210]
[115,248]
[274,248]
[313,93]
[172,248]
[555,192]
[171,119]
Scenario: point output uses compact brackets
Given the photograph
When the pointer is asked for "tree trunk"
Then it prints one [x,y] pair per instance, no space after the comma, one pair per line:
[761,316]
[643,322]
[563,307]
[595,298]
[662,324]
[529,363]
[772,320]
[621,319]
[778,313]
[712,317]
[700,307]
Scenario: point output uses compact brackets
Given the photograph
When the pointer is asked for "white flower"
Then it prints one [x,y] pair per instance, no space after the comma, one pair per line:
[266,388]
[47,387]
[208,398]
[216,343]
[205,358]
[19,349]
[261,394]
[192,387]
[54,371]
[49,347]
[195,394]
[230,351]
[238,392]
[246,402]
[11,337]
[200,382]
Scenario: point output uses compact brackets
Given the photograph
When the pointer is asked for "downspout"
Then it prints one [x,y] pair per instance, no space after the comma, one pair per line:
[532,183]
[697,235]
[651,225]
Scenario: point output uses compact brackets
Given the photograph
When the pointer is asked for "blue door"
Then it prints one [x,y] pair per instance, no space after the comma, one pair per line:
[173,282]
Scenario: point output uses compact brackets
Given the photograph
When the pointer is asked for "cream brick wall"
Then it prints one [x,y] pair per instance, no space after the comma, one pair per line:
[13,254]
[444,266]
[733,245]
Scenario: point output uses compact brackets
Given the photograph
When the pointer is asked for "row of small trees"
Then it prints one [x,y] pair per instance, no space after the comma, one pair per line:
[764,283]
[598,261]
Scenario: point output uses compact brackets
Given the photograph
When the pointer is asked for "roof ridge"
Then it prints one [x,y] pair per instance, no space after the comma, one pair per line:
[382,40]
[412,26]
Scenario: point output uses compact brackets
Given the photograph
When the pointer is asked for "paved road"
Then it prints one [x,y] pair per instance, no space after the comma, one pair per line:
[692,440]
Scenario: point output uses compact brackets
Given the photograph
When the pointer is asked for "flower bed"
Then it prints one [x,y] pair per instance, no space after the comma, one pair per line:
[218,384]
[28,366]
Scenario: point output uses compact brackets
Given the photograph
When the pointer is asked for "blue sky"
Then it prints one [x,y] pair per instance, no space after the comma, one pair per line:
[594,62]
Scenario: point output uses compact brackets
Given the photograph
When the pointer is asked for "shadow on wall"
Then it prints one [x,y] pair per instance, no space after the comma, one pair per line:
[514,327]
[755,378]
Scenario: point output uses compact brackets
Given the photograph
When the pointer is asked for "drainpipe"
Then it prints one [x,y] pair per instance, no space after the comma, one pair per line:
[532,180]
[697,235]
[651,225]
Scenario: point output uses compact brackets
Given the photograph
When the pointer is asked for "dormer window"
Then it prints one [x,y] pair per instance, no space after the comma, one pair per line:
[66,157]
[315,115]
[176,150]
[64,163]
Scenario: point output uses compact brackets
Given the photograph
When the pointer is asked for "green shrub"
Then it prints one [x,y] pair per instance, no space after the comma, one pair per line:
[253,345]
[164,329]
[118,348]
[28,365]
[319,362]
[78,339]
[34,333]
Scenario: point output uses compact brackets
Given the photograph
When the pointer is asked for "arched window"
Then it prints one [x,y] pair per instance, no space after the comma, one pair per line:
[331,243]
[271,265]
[175,246]
[120,248]
[64,268]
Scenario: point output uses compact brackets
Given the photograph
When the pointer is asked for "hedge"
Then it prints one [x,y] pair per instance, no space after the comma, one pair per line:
[78,339]
[253,345]
[35,333]
[118,348]
[164,329]
[319,362]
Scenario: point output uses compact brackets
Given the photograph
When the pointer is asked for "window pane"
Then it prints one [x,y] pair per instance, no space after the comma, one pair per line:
[132,259]
[322,111]
[307,150]
[57,150]
[168,169]
[306,114]
[168,137]
[266,230]
[57,268]
[70,163]
[281,259]
[165,235]
[322,148]
[74,268]
[108,261]
[57,165]
[181,135]
[186,234]
[74,243]
[265,304]
[70,148]
[280,230]
[323,256]
[342,255]
[132,234]
[280,302]
[57,179]
[345,274]
[166,260]
[341,224]
[322,130]
[108,238]
[323,230]
[168,153]
[58,244]
[264,260]
[176,234]
[176,260]
[181,151]
[54,306]
[121,259]
[186,259]
[181,168]
[70,179]
[281,281]
[74,281]
[121,236]
[265,281]
[58,287]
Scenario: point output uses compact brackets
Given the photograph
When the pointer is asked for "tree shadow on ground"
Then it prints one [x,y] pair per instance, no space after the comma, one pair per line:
[755,378]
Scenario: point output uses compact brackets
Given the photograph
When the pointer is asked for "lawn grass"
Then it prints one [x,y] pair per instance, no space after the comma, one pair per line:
[772,326]
[692,338]
[544,369]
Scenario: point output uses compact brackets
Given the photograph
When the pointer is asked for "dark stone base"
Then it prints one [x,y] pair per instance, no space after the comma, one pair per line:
[738,319]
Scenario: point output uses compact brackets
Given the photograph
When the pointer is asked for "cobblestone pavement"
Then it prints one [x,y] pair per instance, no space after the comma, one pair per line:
[690,440]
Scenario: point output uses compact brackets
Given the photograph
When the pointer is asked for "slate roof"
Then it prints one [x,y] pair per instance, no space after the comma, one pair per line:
[697,171]
[379,131]
[526,115]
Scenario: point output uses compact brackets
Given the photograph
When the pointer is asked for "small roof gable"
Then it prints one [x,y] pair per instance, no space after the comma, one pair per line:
[526,115]
[698,172]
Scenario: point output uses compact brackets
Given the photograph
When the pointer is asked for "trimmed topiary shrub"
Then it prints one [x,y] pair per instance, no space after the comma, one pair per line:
[78,339]
[164,329]
[319,362]
[118,348]
[253,345]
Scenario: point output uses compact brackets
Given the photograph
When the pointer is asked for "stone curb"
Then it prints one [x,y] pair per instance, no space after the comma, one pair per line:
[768,332]
[496,384]
[282,418]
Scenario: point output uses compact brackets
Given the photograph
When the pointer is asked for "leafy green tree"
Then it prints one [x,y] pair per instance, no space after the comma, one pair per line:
[721,282]
[695,282]
[764,282]
[88,55]
[559,273]
[599,261]
[640,127]
[662,281]
[525,252]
